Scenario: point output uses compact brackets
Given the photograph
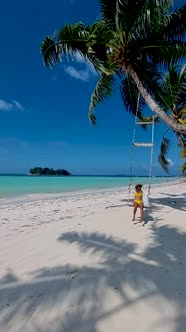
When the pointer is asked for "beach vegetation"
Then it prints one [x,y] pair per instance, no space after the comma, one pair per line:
[48,171]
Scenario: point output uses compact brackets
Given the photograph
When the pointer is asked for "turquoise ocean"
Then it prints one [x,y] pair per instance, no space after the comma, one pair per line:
[19,185]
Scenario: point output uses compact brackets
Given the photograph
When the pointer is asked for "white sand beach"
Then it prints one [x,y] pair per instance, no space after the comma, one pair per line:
[78,264]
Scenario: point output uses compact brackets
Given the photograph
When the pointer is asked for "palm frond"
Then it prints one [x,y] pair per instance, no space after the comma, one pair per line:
[147,13]
[164,148]
[183,153]
[166,53]
[100,40]
[108,10]
[50,52]
[73,38]
[130,94]
[66,41]
[176,27]
[133,102]
[171,92]
[183,168]
[168,89]
[148,74]
[181,140]
[183,111]
[103,90]
[150,16]
[126,17]
[92,42]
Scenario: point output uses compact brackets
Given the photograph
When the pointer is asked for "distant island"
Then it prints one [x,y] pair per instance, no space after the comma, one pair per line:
[49,171]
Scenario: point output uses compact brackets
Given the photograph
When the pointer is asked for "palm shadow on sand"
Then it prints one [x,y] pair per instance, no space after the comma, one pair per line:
[173,201]
[80,291]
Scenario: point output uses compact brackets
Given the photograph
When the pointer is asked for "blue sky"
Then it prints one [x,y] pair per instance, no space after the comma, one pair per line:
[44,112]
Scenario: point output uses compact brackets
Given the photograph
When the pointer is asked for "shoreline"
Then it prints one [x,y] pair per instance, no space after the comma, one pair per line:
[26,214]
[18,199]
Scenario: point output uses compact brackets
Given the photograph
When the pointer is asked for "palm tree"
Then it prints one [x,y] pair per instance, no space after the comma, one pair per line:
[171,96]
[130,41]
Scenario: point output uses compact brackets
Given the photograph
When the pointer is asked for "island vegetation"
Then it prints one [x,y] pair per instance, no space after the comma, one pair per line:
[49,171]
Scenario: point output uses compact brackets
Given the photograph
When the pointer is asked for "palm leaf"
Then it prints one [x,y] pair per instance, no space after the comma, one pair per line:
[150,16]
[166,52]
[90,41]
[73,38]
[169,88]
[183,168]
[184,110]
[133,102]
[176,27]
[100,40]
[66,41]
[122,15]
[50,52]
[164,148]
[103,90]
[148,74]
[147,16]
[171,92]
[130,94]
[108,10]
[181,140]
[183,153]
[126,17]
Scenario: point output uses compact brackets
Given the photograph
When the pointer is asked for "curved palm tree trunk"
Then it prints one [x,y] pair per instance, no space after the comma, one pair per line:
[153,105]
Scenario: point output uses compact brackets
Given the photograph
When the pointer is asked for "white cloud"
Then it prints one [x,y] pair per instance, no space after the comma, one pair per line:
[170,162]
[14,105]
[92,69]
[78,57]
[5,106]
[17,105]
[83,74]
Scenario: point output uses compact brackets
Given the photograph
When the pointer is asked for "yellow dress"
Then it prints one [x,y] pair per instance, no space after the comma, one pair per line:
[138,197]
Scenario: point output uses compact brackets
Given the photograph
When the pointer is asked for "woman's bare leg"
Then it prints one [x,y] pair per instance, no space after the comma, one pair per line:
[134,211]
[141,212]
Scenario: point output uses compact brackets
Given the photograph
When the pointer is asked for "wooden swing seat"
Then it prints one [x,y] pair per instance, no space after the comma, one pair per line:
[149,145]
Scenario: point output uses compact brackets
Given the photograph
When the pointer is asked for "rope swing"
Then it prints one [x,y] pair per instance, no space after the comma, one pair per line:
[141,145]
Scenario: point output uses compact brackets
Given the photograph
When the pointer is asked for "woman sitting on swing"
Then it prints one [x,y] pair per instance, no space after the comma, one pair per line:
[138,202]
